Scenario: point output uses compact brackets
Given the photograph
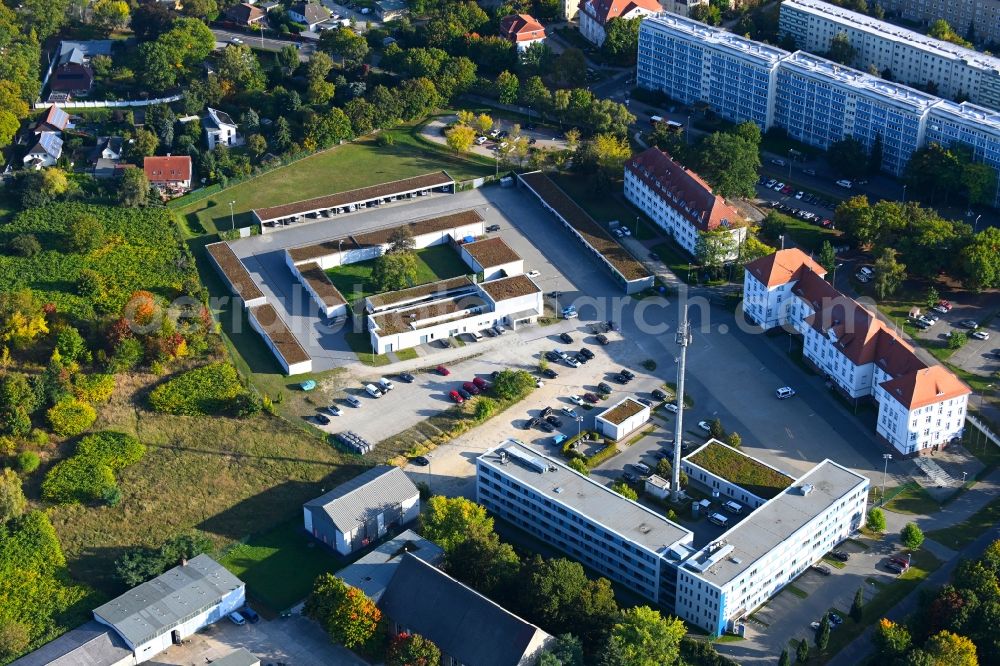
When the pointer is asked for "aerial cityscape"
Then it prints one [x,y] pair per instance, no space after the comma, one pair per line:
[499,333]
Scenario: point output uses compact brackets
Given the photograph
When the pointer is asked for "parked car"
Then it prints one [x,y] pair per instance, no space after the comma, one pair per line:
[659,395]
[581,358]
[353,401]
[944,307]
[835,620]
[443,371]
[572,362]
[622,379]
[785,392]
[493,227]
[333,410]
[549,373]
[604,387]
[554,420]
[705,425]
[845,184]
[250,614]
[840,555]
[670,407]
[603,339]
[566,337]
[569,411]
[373,391]
[821,569]
[552,356]
[480,140]
[237,619]
[559,439]
[307,385]
[481,383]
[586,352]
[576,400]
[627,373]
[465,394]
[545,425]
[901,561]
[385,384]
[322,419]
[981,335]
[968,323]
[591,398]
[406,377]
[456,397]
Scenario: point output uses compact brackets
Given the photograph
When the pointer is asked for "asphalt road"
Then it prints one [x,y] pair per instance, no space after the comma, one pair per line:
[225,37]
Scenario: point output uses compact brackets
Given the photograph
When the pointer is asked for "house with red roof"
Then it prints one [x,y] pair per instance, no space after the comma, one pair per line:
[921,406]
[681,203]
[170,174]
[595,14]
[522,29]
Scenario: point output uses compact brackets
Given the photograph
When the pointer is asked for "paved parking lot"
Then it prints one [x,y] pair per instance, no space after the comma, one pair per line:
[434,130]
[293,641]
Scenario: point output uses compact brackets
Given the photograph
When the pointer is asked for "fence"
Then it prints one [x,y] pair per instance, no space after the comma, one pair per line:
[109,104]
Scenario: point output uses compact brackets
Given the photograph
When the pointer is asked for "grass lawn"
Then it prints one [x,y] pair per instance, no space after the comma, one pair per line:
[961,534]
[226,478]
[361,345]
[438,262]
[406,354]
[341,168]
[605,206]
[808,236]
[913,500]
[280,565]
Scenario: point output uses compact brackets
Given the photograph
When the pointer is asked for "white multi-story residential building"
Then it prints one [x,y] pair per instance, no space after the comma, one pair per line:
[909,57]
[820,102]
[715,585]
[978,20]
[921,408]
[815,100]
[595,14]
[679,201]
[692,62]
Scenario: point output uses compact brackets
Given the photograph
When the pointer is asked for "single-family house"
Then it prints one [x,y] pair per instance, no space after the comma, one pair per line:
[46,151]
[522,30]
[219,128]
[595,14]
[72,75]
[170,174]
[467,627]
[361,511]
[54,121]
[309,14]
[245,14]
[390,10]
[109,148]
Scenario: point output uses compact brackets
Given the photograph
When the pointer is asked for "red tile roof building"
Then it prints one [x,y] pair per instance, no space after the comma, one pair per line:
[922,405]
[521,29]
[679,201]
[595,14]
[171,174]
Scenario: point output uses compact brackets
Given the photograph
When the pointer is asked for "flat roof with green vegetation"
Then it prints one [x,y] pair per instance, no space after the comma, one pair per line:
[748,473]
[437,262]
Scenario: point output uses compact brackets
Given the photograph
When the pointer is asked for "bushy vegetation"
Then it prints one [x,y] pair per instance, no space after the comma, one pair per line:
[210,389]
[138,565]
[89,475]
[70,417]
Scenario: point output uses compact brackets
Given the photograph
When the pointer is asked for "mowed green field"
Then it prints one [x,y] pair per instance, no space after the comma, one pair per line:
[345,167]
[438,262]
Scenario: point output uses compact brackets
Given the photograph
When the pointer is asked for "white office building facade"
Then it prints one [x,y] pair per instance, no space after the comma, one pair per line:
[910,57]
[714,587]
[814,100]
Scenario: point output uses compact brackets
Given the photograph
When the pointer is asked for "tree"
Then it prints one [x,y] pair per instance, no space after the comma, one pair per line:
[827,258]
[328,128]
[945,647]
[931,297]
[889,273]
[646,638]
[138,565]
[54,182]
[448,521]
[734,440]
[14,639]
[319,90]
[417,98]
[848,157]
[70,417]
[841,49]
[876,155]
[395,271]
[823,633]
[111,14]
[785,659]
[133,188]
[412,650]
[621,40]
[535,94]
[802,652]
[507,86]
[567,651]
[344,42]
[460,138]
[940,29]
[979,182]
[84,233]
[45,18]
[891,640]
[257,144]
[240,71]
[714,248]
[858,605]
[347,615]
[8,127]
[484,562]
[24,245]
[715,428]
[750,131]
[625,490]
[730,163]
[570,68]
[980,260]
[876,521]
[511,385]
[957,340]
[665,469]
[288,59]
[175,53]
[710,14]
[143,145]
[606,155]
[752,248]
[558,595]
[579,465]
[932,171]
[911,536]
[12,501]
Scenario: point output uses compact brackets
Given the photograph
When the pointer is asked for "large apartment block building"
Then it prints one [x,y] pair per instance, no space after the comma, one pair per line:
[910,57]
[679,201]
[715,585]
[921,408]
[814,100]
[977,19]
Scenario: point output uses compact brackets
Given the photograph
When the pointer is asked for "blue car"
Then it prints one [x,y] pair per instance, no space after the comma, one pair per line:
[559,439]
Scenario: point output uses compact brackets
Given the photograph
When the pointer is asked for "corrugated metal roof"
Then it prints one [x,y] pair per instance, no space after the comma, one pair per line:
[241,657]
[90,644]
[350,504]
[161,604]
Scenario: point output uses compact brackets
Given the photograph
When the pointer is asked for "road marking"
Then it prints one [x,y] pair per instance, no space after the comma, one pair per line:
[788,431]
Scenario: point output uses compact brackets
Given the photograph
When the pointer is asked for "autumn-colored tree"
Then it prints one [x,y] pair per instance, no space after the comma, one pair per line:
[141,308]
[948,649]
[350,617]
[891,640]
[448,521]
[412,650]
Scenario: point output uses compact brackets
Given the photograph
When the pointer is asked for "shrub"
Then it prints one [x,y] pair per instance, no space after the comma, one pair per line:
[112,496]
[128,354]
[649,364]
[385,139]
[512,385]
[210,389]
[115,449]
[95,388]
[28,461]
[957,340]
[78,479]
[602,455]
[911,536]
[485,408]
[70,417]
[876,521]
[625,490]
[25,245]
[579,465]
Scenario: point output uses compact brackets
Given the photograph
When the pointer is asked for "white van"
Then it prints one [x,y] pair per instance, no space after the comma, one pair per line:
[385,385]
[476,335]
[733,508]
[845,183]
[373,391]
[718,519]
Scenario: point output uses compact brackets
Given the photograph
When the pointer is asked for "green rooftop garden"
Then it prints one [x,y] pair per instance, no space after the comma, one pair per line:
[735,467]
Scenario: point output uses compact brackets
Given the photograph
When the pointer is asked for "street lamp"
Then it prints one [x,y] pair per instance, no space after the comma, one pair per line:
[232,218]
[789,164]
[261,34]
[340,252]
[637,227]
[976,224]
[579,425]
[886,457]
[835,267]
[904,193]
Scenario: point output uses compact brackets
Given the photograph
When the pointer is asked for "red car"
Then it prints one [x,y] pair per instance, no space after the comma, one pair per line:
[456,397]
[481,383]
[471,388]
[443,371]
[591,398]
[787,189]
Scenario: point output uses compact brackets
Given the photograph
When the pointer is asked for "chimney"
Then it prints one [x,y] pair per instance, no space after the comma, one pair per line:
[184,562]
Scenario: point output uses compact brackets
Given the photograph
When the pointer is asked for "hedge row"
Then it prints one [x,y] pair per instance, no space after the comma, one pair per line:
[570,453]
